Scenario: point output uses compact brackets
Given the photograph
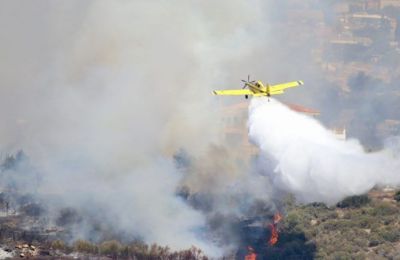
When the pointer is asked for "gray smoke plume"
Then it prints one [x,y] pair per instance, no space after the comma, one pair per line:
[101,94]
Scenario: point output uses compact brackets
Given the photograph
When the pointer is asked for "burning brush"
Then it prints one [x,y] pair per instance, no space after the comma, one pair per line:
[274,231]
[251,254]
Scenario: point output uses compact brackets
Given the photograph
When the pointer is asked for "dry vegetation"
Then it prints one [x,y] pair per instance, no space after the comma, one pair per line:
[357,228]
[113,249]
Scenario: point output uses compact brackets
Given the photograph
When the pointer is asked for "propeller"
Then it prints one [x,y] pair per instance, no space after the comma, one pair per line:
[247,82]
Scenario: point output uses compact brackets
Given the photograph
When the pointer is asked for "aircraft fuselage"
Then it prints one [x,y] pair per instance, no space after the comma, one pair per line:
[259,88]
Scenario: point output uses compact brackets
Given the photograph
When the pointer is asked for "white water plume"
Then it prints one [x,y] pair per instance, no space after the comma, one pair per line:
[310,161]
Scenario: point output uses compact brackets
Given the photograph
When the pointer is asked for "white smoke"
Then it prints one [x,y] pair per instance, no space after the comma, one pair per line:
[100,94]
[310,161]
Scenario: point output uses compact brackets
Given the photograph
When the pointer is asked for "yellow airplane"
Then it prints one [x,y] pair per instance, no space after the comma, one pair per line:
[258,89]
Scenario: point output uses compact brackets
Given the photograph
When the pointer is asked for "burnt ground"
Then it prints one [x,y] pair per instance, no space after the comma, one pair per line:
[290,245]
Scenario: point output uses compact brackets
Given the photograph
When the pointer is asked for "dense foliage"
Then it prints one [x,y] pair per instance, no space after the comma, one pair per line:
[357,228]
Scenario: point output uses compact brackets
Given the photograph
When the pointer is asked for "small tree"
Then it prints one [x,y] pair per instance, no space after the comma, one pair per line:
[354,201]
[397,196]
[111,248]
[84,246]
[58,245]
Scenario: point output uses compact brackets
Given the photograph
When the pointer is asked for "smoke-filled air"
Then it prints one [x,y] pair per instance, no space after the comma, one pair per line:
[114,141]
[100,95]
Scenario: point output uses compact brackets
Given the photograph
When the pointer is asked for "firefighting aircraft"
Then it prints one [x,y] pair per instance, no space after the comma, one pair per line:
[258,89]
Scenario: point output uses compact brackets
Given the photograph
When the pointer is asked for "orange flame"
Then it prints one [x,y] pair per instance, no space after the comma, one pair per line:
[277,218]
[274,235]
[274,231]
[251,255]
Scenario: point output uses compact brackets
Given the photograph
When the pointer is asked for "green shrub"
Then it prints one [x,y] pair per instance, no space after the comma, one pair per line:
[397,196]
[365,221]
[84,246]
[340,255]
[373,243]
[112,248]
[384,209]
[58,245]
[391,235]
[354,201]
[338,225]
[318,205]
[291,221]
[139,248]
[159,251]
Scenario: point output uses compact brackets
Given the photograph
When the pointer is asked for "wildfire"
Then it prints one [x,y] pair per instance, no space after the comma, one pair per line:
[277,218]
[251,255]
[274,231]
[274,235]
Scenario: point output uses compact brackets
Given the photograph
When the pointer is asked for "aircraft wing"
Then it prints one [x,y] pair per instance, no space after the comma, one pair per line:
[283,86]
[276,92]
[233,92]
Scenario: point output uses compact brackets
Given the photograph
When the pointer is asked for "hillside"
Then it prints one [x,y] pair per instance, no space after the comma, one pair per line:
[359,227]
